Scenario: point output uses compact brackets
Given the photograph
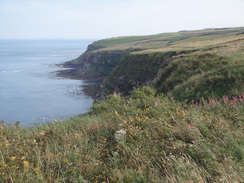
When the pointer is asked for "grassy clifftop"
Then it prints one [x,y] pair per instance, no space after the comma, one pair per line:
[187,65]
[173,41]
[187,127]
[140,138]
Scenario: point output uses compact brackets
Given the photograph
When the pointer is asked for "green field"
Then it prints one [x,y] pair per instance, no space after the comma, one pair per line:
[173,41]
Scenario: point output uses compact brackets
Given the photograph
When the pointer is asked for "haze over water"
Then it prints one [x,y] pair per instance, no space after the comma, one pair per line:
[29,91]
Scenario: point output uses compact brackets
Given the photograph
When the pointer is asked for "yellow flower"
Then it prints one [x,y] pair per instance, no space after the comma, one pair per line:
[42,133]
[65,161]
[35,170]
[26,163]
[13,158]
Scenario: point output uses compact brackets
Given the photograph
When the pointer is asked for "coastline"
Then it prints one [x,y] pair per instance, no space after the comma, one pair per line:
[92,88]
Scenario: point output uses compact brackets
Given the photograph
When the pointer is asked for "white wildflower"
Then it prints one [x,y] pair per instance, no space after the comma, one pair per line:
[119,135]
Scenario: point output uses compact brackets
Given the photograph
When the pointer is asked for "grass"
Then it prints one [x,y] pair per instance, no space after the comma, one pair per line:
[133,71]
[189,128]
[206,75]
[143,137]
[188,64]
[184,40]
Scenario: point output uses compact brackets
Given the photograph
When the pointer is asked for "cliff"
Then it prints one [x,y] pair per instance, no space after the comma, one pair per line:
[144,136]
[186,64]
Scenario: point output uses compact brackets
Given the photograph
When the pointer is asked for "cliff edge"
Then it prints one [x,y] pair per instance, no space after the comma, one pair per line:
[185,65]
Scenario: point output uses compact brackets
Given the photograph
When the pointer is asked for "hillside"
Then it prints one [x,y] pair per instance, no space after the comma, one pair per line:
[185,126]
[140,138]
[187,64]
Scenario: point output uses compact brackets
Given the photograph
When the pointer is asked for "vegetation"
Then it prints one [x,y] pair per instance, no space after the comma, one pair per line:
[143,137]
[187,127]
[187,65]
[134,71]
[183,40]
[205,75]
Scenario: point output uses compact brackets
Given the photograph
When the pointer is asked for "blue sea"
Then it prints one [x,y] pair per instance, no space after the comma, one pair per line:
[30,92]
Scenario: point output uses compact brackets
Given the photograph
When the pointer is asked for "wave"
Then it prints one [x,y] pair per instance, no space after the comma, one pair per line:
[11,70]
[18,70]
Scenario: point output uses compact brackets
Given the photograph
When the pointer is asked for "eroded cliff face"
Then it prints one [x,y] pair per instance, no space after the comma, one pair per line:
[185,65]
[94,65]
[135,70]
[119,70]
[100,63]
[97,62]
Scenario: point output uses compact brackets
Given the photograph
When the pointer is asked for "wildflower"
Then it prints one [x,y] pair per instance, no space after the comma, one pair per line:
[65,161]
[36,170]
[241,97]
[13,158]
[26,164]
[42,133]
[119,134]
[225,99]
[104,140]
[115,153]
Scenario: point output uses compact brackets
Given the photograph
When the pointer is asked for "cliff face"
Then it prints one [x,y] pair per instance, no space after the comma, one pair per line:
[172,63]
[136,70]
[99,63]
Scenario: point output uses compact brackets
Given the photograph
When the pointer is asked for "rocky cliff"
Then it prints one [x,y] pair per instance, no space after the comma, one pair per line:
[173,63]
[95,63]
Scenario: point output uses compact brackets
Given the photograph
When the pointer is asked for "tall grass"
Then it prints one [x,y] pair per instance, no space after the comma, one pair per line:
[202,75]
[139,138]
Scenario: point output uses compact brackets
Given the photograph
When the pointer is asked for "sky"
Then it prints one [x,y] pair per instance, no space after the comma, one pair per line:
[98,19]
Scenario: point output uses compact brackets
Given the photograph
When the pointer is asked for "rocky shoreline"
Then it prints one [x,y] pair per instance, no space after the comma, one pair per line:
[92,88]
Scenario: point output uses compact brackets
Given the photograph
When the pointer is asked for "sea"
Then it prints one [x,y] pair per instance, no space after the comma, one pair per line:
[30,91]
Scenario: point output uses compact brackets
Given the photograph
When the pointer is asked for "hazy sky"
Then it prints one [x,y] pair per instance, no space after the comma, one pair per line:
[110,18]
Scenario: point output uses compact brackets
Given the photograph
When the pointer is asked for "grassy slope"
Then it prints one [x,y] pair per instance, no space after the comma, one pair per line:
[165,141]
[172,41]
[140,138]
[198,60]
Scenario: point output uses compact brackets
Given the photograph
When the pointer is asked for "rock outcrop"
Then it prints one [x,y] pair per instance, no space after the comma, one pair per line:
[171,63]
